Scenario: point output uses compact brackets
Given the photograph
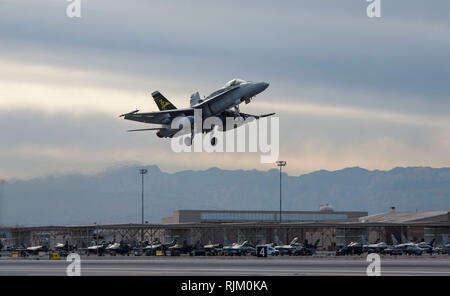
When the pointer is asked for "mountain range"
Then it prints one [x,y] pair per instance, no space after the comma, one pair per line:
[114,196]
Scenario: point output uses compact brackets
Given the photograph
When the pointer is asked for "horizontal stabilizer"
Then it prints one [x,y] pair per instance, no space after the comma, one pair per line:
[129,113]
[264,115]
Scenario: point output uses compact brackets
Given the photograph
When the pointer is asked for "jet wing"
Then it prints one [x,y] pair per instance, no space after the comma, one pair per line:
[230,113]
[215,97]
[158,117]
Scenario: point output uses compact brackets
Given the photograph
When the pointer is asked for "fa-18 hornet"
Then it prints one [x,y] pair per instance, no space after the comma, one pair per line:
[222,103]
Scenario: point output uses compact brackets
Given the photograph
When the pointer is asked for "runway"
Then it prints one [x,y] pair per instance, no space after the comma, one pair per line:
[225,266]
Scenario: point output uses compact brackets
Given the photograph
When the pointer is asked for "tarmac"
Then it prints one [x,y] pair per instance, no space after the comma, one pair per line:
[227,266]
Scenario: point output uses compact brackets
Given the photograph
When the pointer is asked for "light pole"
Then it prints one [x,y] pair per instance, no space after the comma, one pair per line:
[143,172]
[2,182]
[280,163]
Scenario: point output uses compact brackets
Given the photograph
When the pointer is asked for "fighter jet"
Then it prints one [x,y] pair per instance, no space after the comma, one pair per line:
[213,249]
[376,247]
[118,248]
[290,248]
[427,247]
[444,248]
[186,248]
[307,249]
[218,104]
[65,249]
[353,248]
[156,245]
[96,249]
[407,247]
[35,250]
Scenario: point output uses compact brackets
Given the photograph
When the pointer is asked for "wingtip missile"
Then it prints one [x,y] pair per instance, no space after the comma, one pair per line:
[267,115]
[129,113]
[147,129]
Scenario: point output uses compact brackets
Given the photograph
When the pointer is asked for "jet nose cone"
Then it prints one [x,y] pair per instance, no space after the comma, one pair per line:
[261,86]
[254,88]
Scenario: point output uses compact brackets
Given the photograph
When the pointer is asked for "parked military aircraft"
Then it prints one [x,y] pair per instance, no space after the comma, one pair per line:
[213,249]
[353,248]
[21,250]
[307,249]
[34,250]
[158,246]
[376,247]
[404,249]
[118,248]
[239,249]
[187,248]
[65,249]
[444,248]
[218,104]
[410,247]
[96,249]
[427,247]
[290,248]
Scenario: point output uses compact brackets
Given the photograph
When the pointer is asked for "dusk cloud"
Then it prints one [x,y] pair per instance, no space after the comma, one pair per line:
[349,90]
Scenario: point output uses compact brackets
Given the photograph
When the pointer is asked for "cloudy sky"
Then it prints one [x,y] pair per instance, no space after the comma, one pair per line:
[349,90]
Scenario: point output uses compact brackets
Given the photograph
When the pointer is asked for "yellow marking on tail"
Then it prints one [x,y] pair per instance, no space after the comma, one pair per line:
[163,104]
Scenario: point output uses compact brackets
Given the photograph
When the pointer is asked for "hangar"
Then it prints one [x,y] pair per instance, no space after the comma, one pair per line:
[326,213]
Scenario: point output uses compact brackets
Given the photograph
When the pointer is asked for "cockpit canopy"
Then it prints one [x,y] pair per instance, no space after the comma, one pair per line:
[234,82]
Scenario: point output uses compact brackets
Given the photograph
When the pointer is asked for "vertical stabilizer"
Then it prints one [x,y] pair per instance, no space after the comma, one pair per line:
[162,102]
[394,240]
[404,240]
[278,241]
[364,240]
[195,99]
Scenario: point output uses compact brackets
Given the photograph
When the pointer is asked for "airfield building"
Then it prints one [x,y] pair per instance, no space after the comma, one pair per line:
[334,229]
[211,216]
